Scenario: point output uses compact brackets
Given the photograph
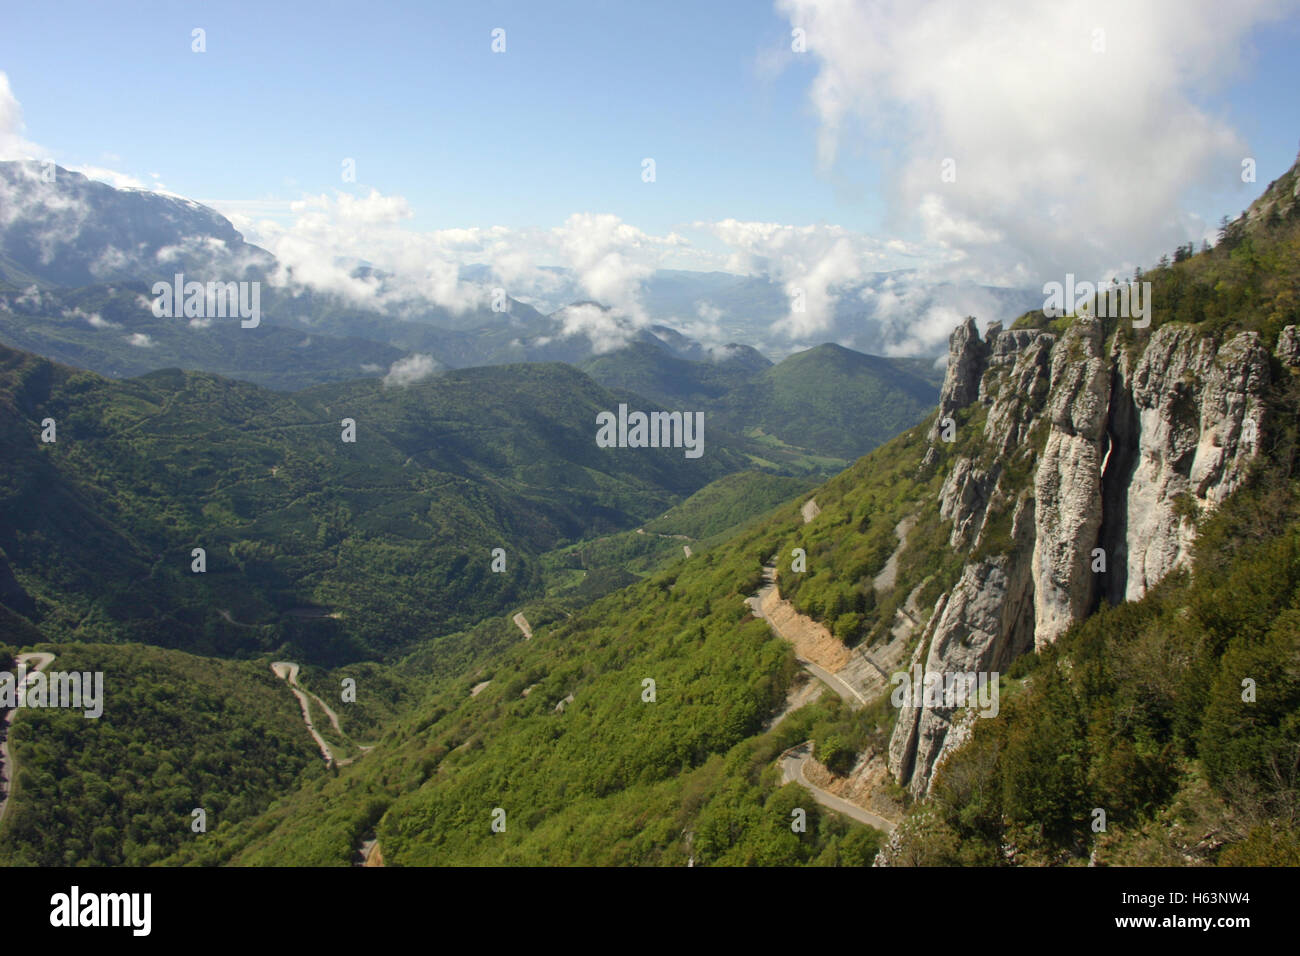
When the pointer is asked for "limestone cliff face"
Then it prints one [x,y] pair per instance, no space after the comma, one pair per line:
[967,358]
[1198,418]
[1094,459]
[1067,484]
[982,624]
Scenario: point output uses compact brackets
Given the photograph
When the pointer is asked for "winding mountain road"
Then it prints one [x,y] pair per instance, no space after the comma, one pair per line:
[792,764]
[8,769]
[850,695]
[288,671]
[793,760]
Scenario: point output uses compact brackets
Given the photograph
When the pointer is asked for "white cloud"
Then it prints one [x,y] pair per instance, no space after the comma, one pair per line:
[612,258]
[57,216]
[12,143]
[708,312]
[601,258]
[813,263]
[140,340]
[1066,159]
[328,237]
[322,240]
[114,178]
[606,329]
[93,319]
[720,353]
[409,370]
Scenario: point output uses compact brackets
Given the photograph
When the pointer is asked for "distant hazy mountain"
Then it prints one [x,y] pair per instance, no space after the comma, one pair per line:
[58,228]
[70,245]
[75,233]
[829,400]
[896,312]
[106,329]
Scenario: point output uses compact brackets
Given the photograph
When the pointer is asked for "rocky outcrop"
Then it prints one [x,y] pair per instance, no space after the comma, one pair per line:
[967,359]
[963,500]
[982,625]
[1199,412]
[1288,347]
[1067,486]
[1097,459]
[1021,367]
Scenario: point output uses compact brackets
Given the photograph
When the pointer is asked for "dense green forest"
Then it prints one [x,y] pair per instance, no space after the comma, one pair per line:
[385,693]
[333,550]
[177,733]
[608,777]
[726,504]
[828,400]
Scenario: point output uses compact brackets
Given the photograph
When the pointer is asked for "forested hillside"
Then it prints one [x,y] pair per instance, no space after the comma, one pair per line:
[638,724]
[178,733]
[1137,710]
[828,400]
[332,549]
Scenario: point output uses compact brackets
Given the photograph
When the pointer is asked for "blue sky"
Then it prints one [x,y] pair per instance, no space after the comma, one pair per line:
[558,123]
[810,168]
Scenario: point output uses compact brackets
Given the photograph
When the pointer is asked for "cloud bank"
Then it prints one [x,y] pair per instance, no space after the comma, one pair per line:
[1069,132]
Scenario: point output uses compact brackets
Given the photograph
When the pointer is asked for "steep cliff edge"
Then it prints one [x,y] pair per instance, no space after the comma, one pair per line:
[1100,447]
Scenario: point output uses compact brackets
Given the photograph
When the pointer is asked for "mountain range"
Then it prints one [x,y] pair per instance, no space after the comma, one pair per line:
[78,260]
[1098,518]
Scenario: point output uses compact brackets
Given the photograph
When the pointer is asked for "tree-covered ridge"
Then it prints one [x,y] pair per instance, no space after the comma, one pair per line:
[177,733]
[579,573]
[829,400]
[693,762]
[727,503]
[607,777]
[338,550]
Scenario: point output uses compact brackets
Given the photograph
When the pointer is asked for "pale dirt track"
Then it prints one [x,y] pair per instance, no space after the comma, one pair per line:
[884,581]
[288,671]
[814,646]
[792,761]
